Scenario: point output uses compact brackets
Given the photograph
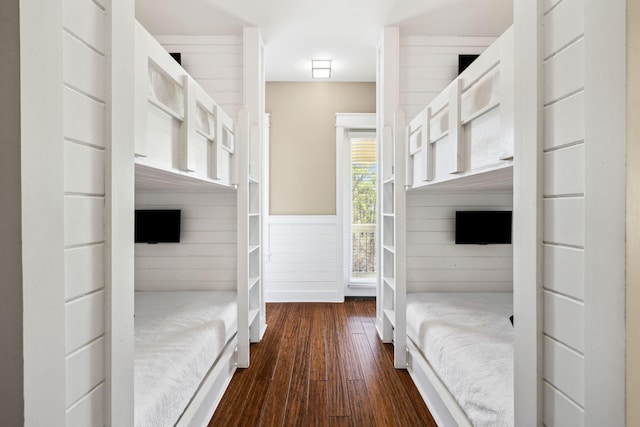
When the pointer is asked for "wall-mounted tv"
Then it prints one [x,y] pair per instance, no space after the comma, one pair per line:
[464,61]
[177,56]
[483,227]
[157,226]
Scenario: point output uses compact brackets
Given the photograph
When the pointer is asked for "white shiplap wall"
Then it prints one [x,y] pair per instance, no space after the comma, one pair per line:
[436,263]
[85,66]
[564,216]
[429,64]
[205,258]
[301,259]
[215,62]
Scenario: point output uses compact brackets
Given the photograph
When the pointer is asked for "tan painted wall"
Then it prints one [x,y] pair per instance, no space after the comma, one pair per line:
[303,142]
[633,213]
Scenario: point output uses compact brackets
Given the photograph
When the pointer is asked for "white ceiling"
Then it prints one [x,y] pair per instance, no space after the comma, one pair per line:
[346,31]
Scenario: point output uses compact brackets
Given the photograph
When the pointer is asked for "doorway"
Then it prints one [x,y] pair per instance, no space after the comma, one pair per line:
[363,204]
[356,188]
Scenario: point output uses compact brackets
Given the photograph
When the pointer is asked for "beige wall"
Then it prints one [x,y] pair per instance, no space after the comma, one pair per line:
[303,142]
[633,213]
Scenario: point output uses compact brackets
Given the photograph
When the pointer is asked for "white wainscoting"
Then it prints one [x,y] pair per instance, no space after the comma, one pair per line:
[301,262]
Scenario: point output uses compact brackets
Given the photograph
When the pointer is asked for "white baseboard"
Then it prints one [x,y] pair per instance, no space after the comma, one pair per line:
[302,296]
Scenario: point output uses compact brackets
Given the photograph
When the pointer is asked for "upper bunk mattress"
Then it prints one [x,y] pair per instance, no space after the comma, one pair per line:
[178,336]
[467,338]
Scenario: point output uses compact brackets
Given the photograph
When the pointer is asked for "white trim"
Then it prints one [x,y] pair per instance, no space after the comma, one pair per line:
[204,402]
[41,101]
[302,296]
[303,219]
[527,214]
[605,195]
[119,205]
[266,146]
[346,124]
[442,405]
[355,120]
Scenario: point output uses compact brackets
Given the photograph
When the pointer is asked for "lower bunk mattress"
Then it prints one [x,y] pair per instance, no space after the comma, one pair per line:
[467,338]
[178,337]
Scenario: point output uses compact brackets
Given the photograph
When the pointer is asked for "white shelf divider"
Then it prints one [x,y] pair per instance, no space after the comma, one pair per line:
[251,325]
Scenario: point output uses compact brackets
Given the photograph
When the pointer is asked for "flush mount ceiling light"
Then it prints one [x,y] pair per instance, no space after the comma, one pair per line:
[321,68]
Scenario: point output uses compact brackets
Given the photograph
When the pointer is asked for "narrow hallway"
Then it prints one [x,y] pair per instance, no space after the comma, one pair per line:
[321,364]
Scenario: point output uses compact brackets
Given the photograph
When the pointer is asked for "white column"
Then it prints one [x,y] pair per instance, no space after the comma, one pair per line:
[119,209]
[527,214]
[42,212]
[605,178]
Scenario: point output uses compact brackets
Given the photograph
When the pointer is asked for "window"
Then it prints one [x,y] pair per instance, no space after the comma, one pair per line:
[363,208]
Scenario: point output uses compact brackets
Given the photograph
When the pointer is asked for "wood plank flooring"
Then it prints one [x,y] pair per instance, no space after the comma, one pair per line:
[321,365]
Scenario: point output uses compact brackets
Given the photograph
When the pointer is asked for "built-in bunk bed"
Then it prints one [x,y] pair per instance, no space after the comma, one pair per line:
[197,301]
[451,304]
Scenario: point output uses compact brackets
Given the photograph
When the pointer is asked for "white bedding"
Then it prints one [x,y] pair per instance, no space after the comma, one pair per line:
[468,340]
[178,336]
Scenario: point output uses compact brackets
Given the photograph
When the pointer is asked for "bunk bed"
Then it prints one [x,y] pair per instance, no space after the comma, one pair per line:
[457,344]
[193,324]
[461,350]
[180,337]
[464,137]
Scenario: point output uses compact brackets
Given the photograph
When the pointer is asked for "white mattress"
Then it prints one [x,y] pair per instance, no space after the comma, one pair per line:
[178,336]
[467,338]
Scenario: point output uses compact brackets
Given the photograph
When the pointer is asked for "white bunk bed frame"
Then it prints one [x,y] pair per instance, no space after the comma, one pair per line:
[465,136]
[462,140]
[185,140]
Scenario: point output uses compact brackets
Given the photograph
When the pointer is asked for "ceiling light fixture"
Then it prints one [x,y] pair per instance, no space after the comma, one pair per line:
[321,68]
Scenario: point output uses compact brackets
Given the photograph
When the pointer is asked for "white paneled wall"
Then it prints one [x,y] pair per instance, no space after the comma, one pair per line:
[205,258]
[429,64]
[301,259]
[215,62]
[564,218]
[85,67]
[436,263]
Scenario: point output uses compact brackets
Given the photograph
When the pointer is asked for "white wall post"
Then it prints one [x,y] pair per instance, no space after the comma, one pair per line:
[527,214]
[41,83]
[119,214]
[605,193]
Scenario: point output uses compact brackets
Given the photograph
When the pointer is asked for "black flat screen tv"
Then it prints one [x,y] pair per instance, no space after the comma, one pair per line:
[483,227]
[157,226]
[464,61]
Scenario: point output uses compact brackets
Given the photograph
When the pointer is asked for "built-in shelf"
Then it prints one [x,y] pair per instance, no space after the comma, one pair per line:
[250,226]
[388,190]
[388,248]
[391,316]
[253,281]
[253,314]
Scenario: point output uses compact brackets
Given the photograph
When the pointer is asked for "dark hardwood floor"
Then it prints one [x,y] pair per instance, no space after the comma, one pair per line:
[322,365]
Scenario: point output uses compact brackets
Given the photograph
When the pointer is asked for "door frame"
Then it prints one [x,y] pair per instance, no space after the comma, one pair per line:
[348,123]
